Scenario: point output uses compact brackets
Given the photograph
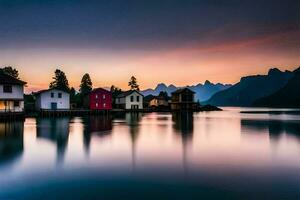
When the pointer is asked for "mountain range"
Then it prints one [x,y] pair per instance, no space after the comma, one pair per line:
[252,88]
[203,91]
[288,96]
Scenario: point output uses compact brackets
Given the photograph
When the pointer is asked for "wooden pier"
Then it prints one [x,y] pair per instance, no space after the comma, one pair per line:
[10,116]
[85,112]
[79,112]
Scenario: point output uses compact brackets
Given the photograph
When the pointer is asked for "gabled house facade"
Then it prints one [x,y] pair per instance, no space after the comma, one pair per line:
[130,100]
[52,99]
[183,99]
[159,101]
[11,94]
[100,99]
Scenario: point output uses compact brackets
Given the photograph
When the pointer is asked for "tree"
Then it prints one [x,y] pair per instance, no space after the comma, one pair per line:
[11,71]
[60,81]
[115,91]
[133,84]
[164,94]
[73,95]
[86,85]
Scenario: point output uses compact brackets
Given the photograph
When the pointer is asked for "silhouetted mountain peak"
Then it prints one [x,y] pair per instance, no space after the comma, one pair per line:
[172,86]
[207,82]
[251,88]
[161,86]
[274,71]
[297,71]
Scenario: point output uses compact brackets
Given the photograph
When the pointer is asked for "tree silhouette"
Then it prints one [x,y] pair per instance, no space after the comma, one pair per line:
[60,81]
[115,91]
[73,95]
[133,84]
[86,85]
[11,71]
[164,94]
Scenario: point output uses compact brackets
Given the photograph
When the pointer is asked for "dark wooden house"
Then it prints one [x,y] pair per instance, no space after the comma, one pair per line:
[183,99]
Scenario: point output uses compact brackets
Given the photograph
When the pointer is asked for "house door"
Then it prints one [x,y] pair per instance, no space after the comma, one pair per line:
[134,107]
[53,106]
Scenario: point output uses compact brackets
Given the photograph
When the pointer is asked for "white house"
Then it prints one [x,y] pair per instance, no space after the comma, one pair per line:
[52,99]
[130,100]
[11,93]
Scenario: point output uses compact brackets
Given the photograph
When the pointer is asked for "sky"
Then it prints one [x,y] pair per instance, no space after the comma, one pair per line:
[180,42]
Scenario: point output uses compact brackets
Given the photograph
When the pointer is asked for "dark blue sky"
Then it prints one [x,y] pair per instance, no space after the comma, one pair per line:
[141,24]
[180,42]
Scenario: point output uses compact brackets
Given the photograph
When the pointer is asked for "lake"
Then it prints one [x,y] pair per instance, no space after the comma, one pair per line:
[209,155]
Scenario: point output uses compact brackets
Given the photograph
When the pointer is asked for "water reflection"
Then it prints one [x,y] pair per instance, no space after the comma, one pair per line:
[211,155]
[183,125]
[100,125]
[55,130]
[275,128]
[132,121]
[11,141]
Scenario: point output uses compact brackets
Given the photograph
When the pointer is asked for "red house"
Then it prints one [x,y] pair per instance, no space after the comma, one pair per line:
[100,99]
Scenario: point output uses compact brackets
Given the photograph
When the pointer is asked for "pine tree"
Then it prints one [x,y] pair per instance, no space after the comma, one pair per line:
[115,91]
[133,84]
[72,95]
[60,81]
[11,71]
[86,85]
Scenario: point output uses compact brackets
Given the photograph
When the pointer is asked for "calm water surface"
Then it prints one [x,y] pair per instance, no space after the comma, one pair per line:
[213,155]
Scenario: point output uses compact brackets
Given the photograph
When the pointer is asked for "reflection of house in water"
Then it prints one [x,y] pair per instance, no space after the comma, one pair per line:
[183,126]
[183,122]
[100,125]
[55,130]
[11,141]
[132,120]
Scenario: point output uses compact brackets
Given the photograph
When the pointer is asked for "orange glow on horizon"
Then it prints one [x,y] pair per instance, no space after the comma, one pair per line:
[224,62]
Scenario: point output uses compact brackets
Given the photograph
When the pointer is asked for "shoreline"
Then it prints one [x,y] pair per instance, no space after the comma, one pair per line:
[81,112]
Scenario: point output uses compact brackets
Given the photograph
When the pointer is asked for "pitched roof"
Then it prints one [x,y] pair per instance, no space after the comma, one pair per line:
[100,89]
[181,90]
[42,91]
[148,98]
[7,79]
[129,92]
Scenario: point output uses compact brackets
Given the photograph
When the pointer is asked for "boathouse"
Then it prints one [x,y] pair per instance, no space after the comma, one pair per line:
[11,94]
[183,99]
[130,100]
[52,99]
[100,99]
[159,101]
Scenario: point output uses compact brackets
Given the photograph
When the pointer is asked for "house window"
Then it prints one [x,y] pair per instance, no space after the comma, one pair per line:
[16,103]
[104,96]
[137,98]
[96,96]
[96,104]
[7,89]
[52,95]
[131,98]
[104,105]
[59,95]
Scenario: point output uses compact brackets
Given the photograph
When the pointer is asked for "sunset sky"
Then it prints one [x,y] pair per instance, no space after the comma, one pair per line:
[181,42]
